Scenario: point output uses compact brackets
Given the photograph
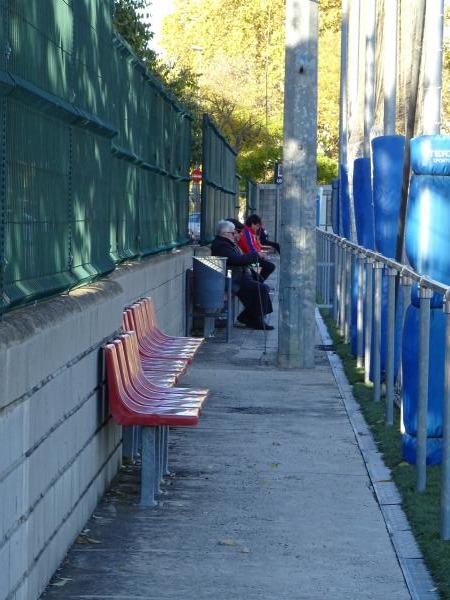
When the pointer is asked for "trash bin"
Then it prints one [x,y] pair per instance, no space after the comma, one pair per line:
[209,282]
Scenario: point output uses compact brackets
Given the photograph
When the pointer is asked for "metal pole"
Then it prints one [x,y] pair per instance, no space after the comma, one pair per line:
[377,333]
[343,290]
[343,109]
[369,317]
[355,117]
[406,301]
[390,349]
[445,482]
[410,125]
[432,73]
[298,259]
[422,393]
[230,314]
[390,65]
[328,271]
[369,93]
[319,267]
[343,286]
[348,295]
[337,282]
[360,314]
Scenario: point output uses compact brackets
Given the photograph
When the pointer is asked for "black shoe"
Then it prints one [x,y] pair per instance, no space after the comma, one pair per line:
[260,325]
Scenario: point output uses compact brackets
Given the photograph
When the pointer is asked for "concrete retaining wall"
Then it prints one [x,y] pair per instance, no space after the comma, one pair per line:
[59,449]
[269,208]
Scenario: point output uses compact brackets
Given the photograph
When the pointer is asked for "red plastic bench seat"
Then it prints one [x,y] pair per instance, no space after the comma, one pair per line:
[136,400]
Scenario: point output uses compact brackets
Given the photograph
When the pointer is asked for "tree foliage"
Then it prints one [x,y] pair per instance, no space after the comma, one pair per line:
[227,58]
[236,48]
[134,30]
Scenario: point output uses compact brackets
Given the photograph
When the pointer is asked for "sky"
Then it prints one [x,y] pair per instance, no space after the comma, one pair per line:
[158,10]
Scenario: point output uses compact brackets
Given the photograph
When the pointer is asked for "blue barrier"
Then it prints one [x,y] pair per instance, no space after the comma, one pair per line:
[427,239]
[387,154]
[362,198]
[344,203]
[435,385]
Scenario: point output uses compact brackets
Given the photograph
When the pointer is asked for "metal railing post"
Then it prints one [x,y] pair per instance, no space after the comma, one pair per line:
[327,277]
[360,313]
[343,288]
[369,317]
[319,262]
[425,295]
[445,481]
[337,266]
[406,282]
[378,266]
[348,294]
[390,346]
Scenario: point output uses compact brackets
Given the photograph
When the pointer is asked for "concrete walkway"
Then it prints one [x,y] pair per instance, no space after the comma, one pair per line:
[270,498]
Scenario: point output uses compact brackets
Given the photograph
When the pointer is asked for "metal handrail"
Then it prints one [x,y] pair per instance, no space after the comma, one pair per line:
[335,253]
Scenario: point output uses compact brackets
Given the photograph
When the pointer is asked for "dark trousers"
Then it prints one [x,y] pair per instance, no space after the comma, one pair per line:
[267,268]
[255,298]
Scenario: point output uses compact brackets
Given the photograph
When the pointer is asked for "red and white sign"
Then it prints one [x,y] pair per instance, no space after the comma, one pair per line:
[196,175]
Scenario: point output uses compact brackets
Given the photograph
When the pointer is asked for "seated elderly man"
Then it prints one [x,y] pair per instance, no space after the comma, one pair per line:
[253,294]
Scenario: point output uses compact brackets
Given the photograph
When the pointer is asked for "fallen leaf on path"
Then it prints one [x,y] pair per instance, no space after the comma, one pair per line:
[227,542]
[62,582]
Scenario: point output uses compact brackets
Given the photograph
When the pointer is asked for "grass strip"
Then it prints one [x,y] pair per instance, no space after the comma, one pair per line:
[421,509]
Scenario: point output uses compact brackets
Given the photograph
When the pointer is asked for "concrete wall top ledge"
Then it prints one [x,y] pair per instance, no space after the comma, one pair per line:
[23,323]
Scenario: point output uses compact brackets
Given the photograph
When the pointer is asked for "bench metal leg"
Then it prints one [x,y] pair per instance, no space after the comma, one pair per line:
[138,440]
[209,326]
[159,459]
[128,446]
[149,459]
[166,451]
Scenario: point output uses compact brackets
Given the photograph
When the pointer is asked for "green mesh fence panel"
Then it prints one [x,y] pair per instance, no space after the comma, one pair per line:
[36,204]
[94,153]
[92,50]
[218,179]
[124,210]
[91,190]
[41,40]
[154,135]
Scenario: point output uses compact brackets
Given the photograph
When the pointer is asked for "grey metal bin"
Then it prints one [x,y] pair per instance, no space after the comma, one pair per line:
[206,291]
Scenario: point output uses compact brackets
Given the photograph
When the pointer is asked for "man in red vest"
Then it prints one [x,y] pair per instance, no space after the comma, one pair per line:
[248,242]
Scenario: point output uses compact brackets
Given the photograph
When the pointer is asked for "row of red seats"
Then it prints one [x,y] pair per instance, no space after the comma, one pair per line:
[141,367]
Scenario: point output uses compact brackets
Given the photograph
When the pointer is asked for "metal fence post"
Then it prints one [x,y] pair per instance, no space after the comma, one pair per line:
[425,295]
[343,288]
[378,266]
[406,282]
[445,481]
[369,316]
[390,346]
[360,313]
[337,285]
[328,268]
[348,294]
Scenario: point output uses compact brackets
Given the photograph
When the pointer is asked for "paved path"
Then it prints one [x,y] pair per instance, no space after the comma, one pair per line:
[270,498]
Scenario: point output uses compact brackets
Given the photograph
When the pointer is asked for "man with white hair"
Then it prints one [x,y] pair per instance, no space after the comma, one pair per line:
[253,294]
